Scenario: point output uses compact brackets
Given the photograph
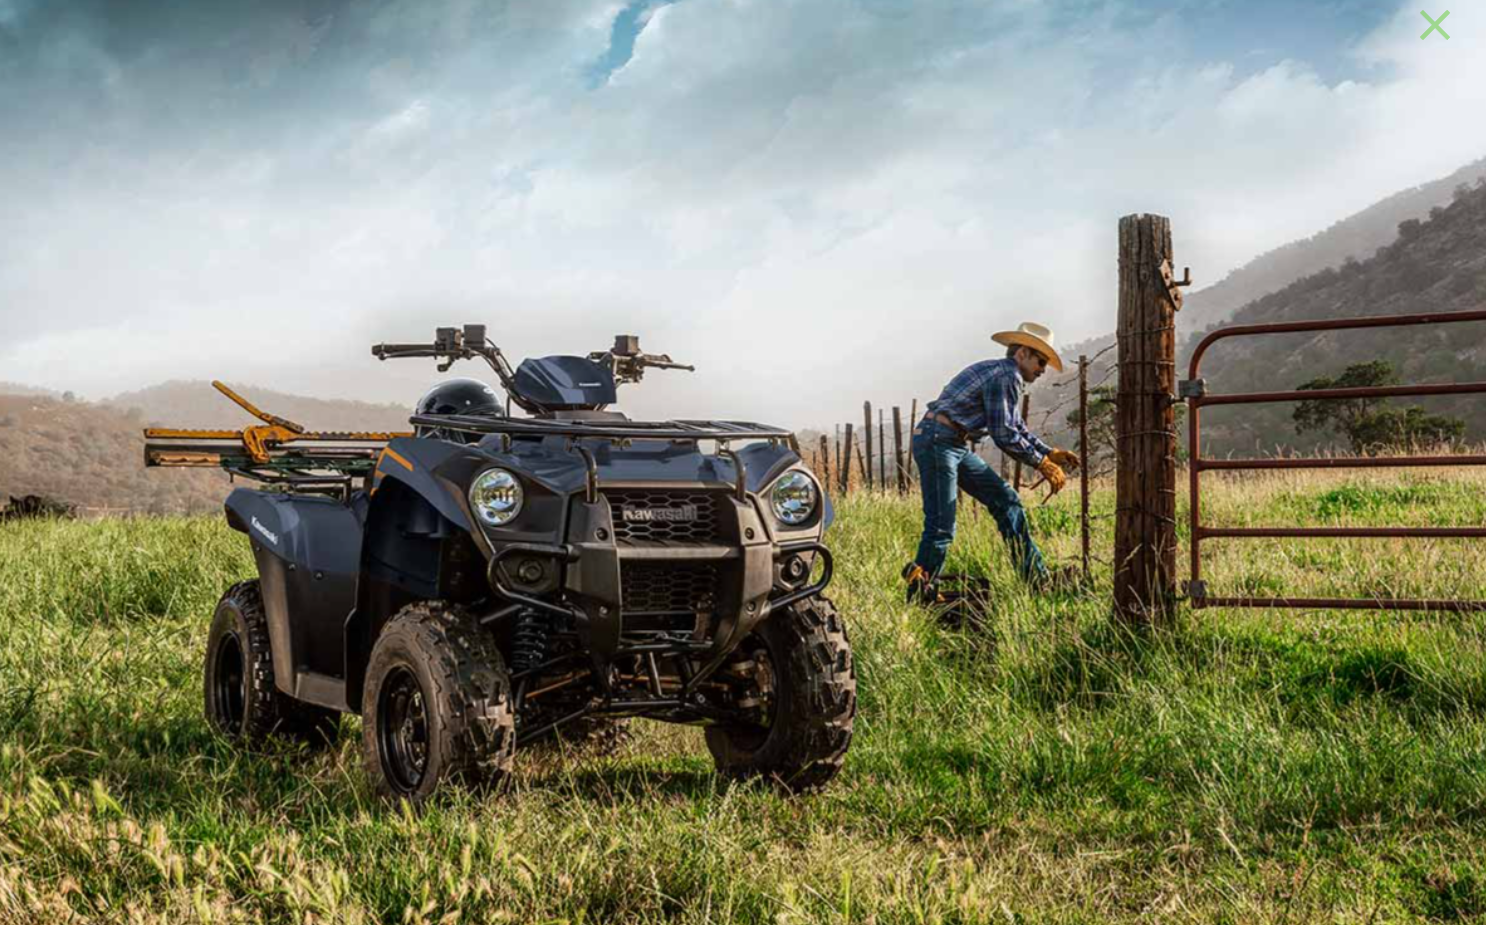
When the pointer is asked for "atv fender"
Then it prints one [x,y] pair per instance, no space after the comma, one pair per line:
[308,551]
[414,462]
[417,545]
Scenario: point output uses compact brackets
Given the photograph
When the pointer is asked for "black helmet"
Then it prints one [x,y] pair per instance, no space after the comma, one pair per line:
[461,396]
[458,396]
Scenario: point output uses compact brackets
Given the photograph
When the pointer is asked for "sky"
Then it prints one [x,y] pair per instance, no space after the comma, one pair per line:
[817,202]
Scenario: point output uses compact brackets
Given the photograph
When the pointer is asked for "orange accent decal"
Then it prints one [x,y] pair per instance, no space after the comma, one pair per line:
[393,453]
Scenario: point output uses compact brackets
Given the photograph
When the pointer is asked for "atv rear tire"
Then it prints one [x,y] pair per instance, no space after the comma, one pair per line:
[814,702]
[241,700]
[436,705]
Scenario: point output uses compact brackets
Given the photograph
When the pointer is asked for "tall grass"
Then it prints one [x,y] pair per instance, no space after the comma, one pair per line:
[1242,766]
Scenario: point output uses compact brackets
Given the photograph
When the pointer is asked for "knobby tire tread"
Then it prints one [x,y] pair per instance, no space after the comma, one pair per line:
[268,711]
[473,729]
[809,744]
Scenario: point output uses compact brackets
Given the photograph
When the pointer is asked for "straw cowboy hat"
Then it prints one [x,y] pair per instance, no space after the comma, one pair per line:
[1036,336]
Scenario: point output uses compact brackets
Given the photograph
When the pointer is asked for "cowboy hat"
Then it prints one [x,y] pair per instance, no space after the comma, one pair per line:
[1036,336]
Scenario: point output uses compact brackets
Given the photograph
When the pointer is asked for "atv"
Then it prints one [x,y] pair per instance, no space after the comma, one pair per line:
[493,580]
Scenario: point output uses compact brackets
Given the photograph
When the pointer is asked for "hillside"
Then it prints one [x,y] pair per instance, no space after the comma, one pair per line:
[1356,237]
[1434,262]
[194,403]
[17,388]
[1435,265]
[93,456]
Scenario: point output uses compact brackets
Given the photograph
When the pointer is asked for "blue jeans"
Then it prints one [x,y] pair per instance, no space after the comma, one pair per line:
[944,461]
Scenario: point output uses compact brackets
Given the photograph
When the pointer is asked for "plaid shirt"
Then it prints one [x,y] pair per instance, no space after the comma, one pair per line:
[986,397]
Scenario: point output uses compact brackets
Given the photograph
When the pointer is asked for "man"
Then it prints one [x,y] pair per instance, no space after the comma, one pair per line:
[985,398]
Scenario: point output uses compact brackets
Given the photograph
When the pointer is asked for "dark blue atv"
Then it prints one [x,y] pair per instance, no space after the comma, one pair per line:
[496,580]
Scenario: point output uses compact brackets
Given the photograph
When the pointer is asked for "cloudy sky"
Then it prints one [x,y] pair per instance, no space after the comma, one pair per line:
[816,201]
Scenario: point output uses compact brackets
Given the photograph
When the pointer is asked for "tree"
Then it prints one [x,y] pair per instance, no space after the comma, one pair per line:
[1103,440]
[1366,423]
[1407,427]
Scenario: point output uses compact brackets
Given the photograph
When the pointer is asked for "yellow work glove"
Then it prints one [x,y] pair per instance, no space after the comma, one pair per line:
[1065,459]
[1053,473]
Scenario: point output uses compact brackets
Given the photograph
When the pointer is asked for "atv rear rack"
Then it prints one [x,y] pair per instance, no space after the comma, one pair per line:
[324,462]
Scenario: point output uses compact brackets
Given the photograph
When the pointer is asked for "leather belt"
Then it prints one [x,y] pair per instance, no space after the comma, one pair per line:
[951,423]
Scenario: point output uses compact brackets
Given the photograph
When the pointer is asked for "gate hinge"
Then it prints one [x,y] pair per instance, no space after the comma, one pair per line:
[1195,590]
[1191,388]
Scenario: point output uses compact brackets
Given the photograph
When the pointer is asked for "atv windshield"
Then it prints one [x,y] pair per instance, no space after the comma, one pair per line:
[565,383]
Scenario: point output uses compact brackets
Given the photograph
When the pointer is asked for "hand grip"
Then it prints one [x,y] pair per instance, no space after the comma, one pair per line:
[381,351]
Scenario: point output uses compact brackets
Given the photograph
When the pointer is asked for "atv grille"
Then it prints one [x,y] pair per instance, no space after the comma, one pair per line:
[647,516]
[668,587]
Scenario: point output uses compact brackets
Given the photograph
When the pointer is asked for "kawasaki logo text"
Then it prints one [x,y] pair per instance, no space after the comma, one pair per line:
[673,514]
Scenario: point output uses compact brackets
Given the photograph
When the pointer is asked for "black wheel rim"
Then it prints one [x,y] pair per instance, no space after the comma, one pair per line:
[753,734]
[402,730]
[229,685]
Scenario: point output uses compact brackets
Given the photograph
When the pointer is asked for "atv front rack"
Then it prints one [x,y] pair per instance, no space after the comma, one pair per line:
[607,429]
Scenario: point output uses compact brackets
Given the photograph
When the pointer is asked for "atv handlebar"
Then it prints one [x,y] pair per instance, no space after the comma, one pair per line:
[624,361]
[395,351]
[627,364]
[664,362]
[455,344]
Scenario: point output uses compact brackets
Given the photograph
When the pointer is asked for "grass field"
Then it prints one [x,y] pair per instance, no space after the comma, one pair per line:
[1244,766]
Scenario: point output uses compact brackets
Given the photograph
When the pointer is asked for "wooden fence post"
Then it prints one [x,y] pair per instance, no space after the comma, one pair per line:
[1145,477]
[825,455]
[839,470]
[1083,457]
[867,426]
[898,450]
[881,450]
[846,461]
[912,423]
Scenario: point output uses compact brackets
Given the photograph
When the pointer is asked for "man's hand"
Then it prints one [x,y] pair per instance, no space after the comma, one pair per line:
[1065,459]
[1051,471]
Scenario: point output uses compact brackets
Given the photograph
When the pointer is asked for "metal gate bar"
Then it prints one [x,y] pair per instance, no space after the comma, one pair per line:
[1241,532]
[1345,462]
[1194,391]
[1343,603]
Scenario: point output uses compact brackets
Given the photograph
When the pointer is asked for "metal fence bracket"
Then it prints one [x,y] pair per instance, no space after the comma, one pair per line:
[1191,388]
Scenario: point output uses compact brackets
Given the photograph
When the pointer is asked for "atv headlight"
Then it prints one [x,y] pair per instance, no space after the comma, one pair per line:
[794,498]
[496,497]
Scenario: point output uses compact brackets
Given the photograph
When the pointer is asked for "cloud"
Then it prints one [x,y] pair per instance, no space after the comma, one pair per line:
[813,200]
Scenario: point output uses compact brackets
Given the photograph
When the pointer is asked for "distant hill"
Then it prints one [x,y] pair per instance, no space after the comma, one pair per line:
[1438,264]
[1344,246]
[1356,237]
[16,388]
[92,456]
[194,403]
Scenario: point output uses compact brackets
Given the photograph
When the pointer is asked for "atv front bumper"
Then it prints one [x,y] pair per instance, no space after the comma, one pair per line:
[599,583]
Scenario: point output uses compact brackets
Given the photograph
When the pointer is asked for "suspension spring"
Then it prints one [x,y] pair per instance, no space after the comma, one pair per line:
[529,640]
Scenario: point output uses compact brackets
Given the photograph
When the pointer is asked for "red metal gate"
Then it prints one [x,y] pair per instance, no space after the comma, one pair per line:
[1195,392]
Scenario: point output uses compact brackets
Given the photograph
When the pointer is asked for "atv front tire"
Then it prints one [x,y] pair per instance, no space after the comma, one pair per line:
[813,701]
[436,704]
[241,700]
